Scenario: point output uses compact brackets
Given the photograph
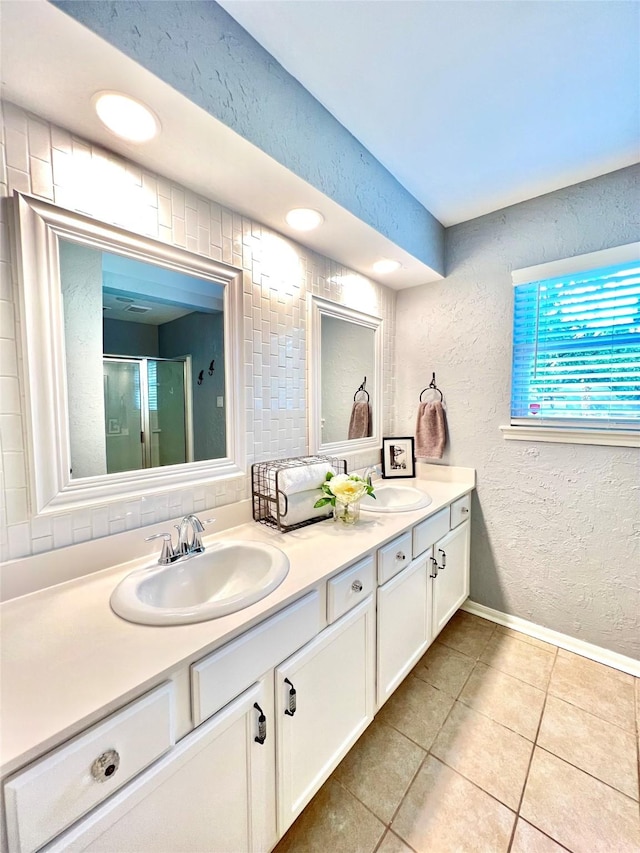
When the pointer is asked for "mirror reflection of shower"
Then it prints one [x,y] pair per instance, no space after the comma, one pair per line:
[137,337]
[147,412]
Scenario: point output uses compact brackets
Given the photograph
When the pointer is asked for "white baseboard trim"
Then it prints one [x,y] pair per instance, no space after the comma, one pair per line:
[564,641]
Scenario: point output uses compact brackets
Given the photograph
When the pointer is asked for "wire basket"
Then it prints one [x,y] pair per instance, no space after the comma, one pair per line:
[270,503]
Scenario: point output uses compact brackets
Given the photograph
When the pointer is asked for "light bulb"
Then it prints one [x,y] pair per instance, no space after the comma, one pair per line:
[304,219]
[386,265]
[125,117]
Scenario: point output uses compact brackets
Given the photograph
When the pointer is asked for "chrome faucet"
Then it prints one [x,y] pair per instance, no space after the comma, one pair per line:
[189,538]
[369,470]
[189,542]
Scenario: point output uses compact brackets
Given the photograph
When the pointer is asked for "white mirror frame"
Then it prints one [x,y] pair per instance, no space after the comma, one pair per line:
[38,227]
[317,308]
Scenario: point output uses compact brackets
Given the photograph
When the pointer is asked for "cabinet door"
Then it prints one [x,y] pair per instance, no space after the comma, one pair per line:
[213,792]
[404,609]
[451,586]
[333,679]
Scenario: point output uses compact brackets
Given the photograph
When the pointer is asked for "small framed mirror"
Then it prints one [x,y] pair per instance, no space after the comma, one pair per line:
[131,357]
[345,373]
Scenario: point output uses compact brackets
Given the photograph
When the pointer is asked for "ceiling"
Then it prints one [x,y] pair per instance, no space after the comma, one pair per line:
[472,105]
[51,65]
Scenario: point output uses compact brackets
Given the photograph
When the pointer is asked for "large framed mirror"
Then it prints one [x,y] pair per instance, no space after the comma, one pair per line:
[131,351]
[345,378]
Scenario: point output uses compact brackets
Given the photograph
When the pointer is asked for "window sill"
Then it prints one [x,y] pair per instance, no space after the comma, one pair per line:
[612,438]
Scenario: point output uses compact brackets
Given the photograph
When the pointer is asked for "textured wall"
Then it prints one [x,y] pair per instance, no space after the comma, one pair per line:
[47,161]
[348,356]
[202,52]
[81,274]
[556,527]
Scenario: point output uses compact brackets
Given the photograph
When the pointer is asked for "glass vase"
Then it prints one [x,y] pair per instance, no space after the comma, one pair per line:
[346,513]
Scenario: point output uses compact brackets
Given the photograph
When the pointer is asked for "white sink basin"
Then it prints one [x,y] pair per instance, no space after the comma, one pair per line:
[396,499]
[227,577]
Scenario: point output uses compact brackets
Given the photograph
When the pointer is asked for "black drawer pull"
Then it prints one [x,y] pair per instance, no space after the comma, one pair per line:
[290,711]
[262,725]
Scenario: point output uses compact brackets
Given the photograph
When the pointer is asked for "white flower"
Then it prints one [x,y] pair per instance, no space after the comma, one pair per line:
[346,489]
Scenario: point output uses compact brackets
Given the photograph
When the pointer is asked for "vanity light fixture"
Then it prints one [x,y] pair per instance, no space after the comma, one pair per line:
[304,218]
[386,265]
[126,117]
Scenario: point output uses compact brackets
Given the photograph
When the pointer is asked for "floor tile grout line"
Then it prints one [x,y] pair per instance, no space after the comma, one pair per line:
[504,672]
[471,782]
[546,834]
[526,776]
[355,797]
[586,773]
[591,714]
[403,798]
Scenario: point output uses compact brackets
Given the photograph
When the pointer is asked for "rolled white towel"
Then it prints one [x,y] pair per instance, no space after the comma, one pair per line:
[303,477]
[299,507]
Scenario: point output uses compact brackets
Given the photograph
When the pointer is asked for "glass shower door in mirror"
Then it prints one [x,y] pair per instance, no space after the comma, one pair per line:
[146,412]
[123,416]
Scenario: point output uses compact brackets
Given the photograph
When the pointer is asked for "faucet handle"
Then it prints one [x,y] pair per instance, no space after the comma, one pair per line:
[198,528]
[167,555]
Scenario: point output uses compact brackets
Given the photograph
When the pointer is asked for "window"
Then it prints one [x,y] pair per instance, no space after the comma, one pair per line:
[576,348]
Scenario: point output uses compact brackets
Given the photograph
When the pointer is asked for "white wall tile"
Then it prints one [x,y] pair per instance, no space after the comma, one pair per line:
[18,180]
[16,505]
[39,137]
[19,539]
[62,531]
[41,178]
[277,277]
[11,433]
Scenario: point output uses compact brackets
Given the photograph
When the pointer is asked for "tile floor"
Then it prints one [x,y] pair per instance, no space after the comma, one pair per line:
[495,742]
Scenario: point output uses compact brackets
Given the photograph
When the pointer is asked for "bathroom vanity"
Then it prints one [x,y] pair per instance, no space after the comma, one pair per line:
[215,736]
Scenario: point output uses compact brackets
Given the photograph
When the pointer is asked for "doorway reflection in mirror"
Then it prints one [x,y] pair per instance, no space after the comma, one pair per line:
[149,331]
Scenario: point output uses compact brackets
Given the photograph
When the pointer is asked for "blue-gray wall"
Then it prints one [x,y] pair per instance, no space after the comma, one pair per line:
[555,526]
[200,50]
[201,335]
[123,338]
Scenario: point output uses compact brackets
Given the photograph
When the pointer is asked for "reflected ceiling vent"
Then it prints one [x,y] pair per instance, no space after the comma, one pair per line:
[124,299]
[137,309]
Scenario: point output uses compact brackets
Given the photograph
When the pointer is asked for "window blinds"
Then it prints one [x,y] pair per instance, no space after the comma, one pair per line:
[576,349]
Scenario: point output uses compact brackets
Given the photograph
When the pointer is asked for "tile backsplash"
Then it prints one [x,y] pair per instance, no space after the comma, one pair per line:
[49,162]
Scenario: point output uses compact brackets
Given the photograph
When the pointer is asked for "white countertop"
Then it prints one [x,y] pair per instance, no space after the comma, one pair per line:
[67,660]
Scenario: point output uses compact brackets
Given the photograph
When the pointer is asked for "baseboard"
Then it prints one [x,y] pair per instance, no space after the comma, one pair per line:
[564,641]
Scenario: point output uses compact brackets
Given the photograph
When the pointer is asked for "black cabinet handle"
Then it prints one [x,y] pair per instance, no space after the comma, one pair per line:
[444,559]
[262,724]
[434,568]
[290,711]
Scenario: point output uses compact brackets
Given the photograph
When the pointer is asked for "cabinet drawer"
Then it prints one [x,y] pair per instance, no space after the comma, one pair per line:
[460,510]
[349,588]
[429,531]
[225,673]
[54,792]
[394,557]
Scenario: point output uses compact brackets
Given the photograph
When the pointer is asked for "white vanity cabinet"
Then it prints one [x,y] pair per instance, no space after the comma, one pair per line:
[449,576]
[416,602]
[274,710]
[213,792]
[324,701]
[404,624]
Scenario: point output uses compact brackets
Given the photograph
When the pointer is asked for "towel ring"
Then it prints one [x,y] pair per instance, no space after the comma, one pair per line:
[363,390]
[432,387]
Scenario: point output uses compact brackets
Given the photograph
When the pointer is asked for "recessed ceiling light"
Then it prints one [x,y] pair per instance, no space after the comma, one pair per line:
[127,118]
[304,219]
[386,265]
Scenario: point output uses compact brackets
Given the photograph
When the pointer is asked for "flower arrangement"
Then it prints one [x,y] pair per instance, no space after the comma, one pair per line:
[344,488]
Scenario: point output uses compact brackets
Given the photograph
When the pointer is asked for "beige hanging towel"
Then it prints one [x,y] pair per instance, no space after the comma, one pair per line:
[360,421]
[431,430]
